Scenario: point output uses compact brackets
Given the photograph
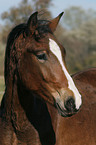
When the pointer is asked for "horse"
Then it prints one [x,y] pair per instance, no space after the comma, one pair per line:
[42,103]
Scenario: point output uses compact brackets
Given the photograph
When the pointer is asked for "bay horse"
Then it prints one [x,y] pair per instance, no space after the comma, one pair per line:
[40,97]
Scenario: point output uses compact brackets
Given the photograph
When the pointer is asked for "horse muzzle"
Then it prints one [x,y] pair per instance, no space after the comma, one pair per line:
[66,108]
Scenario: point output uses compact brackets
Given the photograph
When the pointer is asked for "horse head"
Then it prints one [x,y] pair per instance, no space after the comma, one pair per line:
[39,60]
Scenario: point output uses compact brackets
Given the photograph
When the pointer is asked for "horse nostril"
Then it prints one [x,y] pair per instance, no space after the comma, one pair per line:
[70,104]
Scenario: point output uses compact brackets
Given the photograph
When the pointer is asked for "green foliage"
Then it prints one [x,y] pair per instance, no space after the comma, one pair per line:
[20,14]
[41,4]
[2,48]
[76,16]
[15,16]
[2,86]
[80,38]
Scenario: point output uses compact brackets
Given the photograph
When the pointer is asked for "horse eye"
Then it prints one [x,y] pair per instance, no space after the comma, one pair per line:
[41,56]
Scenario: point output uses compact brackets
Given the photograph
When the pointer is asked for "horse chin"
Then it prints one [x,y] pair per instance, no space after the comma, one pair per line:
[63,112]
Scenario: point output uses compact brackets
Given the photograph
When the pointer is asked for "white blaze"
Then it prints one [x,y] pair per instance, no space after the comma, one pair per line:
[57,52]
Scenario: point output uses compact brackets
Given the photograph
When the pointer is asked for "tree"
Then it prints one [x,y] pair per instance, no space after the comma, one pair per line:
[76,16]
[20,14]
[16,15]
[41,4]
[80,38]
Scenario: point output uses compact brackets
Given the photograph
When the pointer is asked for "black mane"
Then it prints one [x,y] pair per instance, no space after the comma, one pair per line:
[42,28]
[11,38]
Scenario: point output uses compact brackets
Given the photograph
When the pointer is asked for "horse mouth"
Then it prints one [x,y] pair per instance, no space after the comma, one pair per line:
[63,112]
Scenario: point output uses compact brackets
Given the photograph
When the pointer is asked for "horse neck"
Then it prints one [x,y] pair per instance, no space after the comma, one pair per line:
[10,101]
[27,112]
[38,115]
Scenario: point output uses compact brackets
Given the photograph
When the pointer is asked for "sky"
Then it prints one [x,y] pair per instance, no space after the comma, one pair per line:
[57,7]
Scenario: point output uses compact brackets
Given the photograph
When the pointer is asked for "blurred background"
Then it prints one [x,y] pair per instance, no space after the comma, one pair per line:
[76,31]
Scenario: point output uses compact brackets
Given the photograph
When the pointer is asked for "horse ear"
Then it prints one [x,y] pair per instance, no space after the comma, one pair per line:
[53,23]
[32,22]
